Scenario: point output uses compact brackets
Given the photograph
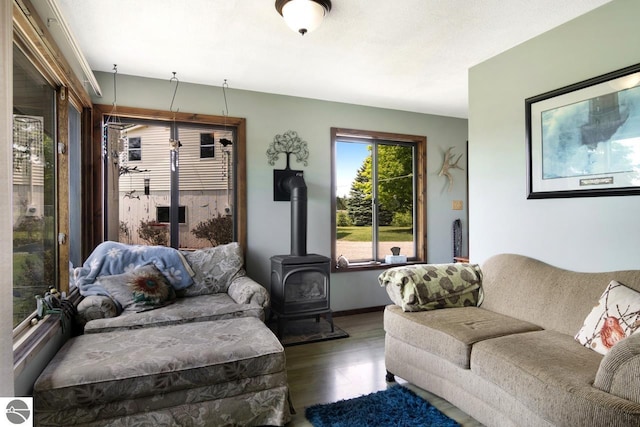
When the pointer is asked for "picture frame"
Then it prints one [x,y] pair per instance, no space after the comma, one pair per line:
[583,140]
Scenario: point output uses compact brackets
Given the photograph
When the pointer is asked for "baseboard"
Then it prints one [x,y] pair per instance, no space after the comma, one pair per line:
[358,311]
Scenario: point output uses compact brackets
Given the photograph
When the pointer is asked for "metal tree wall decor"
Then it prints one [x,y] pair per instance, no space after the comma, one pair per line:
[288,143]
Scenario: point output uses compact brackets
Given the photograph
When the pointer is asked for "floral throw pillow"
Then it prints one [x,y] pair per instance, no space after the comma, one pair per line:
[139,289]
[149,287]
[615,317]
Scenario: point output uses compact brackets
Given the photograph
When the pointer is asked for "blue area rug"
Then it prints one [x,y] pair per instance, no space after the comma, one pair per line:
[395,406]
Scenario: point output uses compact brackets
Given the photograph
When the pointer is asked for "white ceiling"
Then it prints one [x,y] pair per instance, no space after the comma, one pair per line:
[410,55]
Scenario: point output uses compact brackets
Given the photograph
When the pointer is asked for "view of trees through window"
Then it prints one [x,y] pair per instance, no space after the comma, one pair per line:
[375,198]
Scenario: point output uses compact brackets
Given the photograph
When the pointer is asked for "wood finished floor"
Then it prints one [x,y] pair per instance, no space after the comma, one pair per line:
[329,371]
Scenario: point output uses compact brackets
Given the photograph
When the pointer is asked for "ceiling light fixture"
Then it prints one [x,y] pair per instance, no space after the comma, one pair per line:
[303,16]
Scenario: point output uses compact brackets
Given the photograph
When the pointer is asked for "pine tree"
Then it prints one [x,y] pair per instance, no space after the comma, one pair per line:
[395,186]
[360,196]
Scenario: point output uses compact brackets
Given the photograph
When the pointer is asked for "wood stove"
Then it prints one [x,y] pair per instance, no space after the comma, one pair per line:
[299,281]
[300,287]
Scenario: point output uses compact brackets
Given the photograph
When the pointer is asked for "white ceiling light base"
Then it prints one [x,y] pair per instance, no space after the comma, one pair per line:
[303,16]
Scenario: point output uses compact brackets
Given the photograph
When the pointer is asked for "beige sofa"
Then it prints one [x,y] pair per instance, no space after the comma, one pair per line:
[202,358]
[515,360]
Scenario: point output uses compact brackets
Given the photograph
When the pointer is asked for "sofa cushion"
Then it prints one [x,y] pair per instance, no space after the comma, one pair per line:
[549,372]
[615,316]
[214,268]
[138,289]
[451,333]
[429,286]
[182,310]
[99,369]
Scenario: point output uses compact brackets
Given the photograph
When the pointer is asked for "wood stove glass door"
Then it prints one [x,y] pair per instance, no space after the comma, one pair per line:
[306,289]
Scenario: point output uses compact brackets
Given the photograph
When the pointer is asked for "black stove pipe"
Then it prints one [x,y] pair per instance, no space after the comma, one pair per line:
[296,186]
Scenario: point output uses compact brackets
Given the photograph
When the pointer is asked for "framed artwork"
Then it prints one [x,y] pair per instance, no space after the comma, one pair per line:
[583,140]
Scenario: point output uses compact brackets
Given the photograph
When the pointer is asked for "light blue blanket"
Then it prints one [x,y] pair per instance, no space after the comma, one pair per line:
[111,258]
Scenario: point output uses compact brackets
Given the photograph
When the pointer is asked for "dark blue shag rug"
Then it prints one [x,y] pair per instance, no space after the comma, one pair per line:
[395,406]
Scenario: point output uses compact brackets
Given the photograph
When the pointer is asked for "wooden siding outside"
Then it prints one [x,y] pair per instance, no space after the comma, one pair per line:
[206,185]
[199,206]
[195,173]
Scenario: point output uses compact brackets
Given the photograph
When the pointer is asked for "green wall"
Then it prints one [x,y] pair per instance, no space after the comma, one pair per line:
[268,115]
[587,234]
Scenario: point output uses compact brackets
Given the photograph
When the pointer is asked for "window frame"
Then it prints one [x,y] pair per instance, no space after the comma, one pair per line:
[208,146]
[420,180]
[160,214]
[137,149]
[101,111]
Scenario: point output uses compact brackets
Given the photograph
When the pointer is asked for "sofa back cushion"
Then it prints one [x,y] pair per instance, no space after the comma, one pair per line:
[545,295]
[214,269]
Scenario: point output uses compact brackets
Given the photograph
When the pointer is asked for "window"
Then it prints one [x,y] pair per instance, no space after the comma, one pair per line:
[378,196]
[34,187]
[135,149]
[206,146]
[148,203]
[44,130]
[162,214]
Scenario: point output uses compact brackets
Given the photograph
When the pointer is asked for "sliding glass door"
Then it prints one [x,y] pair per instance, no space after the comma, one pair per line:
[34,187]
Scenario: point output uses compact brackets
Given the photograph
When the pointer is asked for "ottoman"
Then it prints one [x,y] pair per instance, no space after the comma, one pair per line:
[224,372]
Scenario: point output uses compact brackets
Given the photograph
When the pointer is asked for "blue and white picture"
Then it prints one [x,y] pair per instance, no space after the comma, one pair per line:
[597,136]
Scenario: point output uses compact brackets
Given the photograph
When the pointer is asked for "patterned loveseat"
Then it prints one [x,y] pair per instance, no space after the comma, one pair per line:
[161,348]
[219,289]
[539,346]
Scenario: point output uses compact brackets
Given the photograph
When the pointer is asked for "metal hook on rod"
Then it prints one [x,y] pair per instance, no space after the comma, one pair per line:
[174,92]
[115,93]
[174,143]
[225,86]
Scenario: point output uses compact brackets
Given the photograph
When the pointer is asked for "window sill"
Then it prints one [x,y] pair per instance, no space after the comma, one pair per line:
[27,346]
[29,339]
[365,266]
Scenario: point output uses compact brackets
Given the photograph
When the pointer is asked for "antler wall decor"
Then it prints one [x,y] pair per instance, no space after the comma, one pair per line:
[449,164]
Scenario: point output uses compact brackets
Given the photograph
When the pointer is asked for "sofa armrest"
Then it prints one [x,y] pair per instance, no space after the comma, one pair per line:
[619,370]
[245,290]
[95,307]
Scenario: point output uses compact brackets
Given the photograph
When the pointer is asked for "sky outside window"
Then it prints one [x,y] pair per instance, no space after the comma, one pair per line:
[349,158]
